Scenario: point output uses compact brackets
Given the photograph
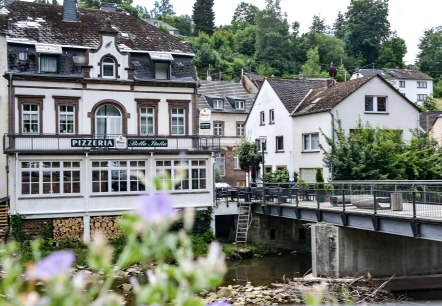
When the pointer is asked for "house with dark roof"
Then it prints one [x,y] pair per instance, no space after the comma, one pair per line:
[161,24]
[415,85]
[228,103]
[269,122]
[431,122]
[252,81]
[95,103]
[369,99]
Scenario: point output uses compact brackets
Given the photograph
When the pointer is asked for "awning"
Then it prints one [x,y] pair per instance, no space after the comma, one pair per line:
[48,49]
[161,56]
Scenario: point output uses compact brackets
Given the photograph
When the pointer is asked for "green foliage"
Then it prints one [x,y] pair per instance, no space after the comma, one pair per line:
[16,228]
[437,88]
[247,154]
[278,176]
[203,16]
[430,58]
[182,23]
[392,52]
[244,16]
[217,175]
[429,103]
[312,68]
[318,25]
[319,179]
[378,154]
[203,221]
[162,9]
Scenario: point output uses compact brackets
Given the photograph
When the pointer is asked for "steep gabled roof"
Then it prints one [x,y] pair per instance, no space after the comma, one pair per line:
[228,91]
[292,91]
[42,23]
[325,98]
[427,119]
[407,74]
[370,72]
[256,79]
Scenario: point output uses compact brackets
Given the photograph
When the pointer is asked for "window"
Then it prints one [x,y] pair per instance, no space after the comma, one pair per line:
[236,162]
[240,129]
[162,71]
[179,114]
[50,177]
[375,103]
[421,97]
[183,174]
[272,116]
[108,67]
[66,121]
[279,143]
[308,175]
[240,104]
[177,121]
[147,119]
[108,121]
[261,144]
[220,164]
[402,84]
[262,118]
[218,104]
[218,128]
[30,118]
[421,84]
[310,142]
[48,63]
[118,175]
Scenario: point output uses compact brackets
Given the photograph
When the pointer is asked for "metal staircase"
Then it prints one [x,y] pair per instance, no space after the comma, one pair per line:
[244,221]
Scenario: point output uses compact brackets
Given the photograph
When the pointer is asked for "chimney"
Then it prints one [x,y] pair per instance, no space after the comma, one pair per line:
[70,10]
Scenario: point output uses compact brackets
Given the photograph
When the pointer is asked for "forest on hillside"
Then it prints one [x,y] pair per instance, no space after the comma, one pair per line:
[263,41]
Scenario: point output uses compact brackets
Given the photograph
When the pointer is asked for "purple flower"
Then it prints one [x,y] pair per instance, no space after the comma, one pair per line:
[155,208]
[54,264]
[219,303]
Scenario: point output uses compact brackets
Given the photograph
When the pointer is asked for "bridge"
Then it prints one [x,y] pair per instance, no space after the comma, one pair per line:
[385,227]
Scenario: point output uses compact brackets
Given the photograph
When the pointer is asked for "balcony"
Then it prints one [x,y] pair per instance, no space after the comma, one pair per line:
[50,143]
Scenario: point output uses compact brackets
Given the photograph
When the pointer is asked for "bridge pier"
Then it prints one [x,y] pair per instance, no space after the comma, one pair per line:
[341,252]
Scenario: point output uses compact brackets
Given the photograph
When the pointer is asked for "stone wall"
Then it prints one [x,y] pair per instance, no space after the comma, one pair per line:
[277,232]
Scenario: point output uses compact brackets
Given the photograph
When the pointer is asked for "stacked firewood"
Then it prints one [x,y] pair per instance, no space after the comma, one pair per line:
[107,225]
[68,227]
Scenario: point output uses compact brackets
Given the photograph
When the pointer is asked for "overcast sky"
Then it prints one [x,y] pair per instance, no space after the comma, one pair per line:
[409,18]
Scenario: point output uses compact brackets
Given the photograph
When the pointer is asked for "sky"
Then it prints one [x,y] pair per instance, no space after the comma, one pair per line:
[409,18]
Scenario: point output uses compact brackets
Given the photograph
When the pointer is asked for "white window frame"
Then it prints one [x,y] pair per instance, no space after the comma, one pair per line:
[182,174]
[375,104]
[271,116]
[220,163]
[261,144]
[402,84]
[421,97]
[262,117]
[178,121]
[45,176]
[310,142]
[118,176]
[147,120]
[218,128]
[240,104]
[240,129]
[162,70]
[422,84]
[236,165]
[278,141]
[107,62]
[65,125]
[218,104]
[31,125]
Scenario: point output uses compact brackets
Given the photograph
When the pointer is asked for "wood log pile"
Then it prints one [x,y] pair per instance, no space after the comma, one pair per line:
[68,227]
[107,225]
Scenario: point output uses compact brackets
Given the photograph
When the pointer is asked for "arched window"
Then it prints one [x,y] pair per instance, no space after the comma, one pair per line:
[108,67]
[108,121]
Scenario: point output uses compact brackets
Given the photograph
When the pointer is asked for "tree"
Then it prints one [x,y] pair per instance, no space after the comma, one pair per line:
[120,5]
[318,25]
[429,103]
[203,16]
[392,52]
[245,40]
[272,38]
[339,26]
[183,24]
[162,9]
[248,157]
[312,68]
[367,26]
[244,15]
[430,57]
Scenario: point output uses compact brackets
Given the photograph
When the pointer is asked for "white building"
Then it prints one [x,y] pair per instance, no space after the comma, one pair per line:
[371,99]
[99,103]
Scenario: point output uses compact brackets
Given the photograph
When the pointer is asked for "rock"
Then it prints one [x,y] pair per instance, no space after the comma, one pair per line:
[225,293]
[126,287]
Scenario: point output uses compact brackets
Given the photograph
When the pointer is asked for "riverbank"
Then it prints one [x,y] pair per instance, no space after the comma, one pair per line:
[304,290]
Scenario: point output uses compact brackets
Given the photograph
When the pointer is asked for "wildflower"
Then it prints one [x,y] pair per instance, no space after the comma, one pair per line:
[54,264]
[155,208]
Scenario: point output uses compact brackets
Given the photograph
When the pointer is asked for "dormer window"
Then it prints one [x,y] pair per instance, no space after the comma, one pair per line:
[218,104]
[108,67]
[48,63]
[162,70]
[240,104]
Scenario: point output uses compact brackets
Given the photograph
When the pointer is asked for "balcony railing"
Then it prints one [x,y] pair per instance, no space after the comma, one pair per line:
[23,143]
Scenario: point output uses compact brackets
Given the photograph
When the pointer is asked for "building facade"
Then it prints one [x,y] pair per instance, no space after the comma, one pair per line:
[100,103]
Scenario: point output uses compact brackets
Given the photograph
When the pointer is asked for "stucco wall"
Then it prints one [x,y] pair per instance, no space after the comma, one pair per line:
[4,113]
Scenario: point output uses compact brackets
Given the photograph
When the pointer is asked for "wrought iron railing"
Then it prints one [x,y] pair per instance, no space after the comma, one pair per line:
[18,143]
